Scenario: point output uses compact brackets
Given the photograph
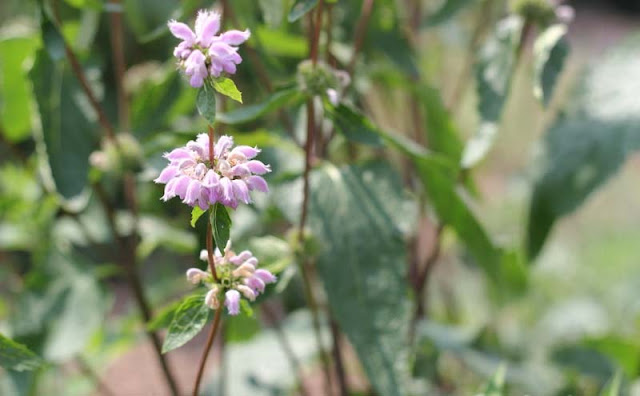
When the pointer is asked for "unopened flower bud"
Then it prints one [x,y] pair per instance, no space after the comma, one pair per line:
[243,271]
[211,299]
[247,292]
[195,275]
[232,302]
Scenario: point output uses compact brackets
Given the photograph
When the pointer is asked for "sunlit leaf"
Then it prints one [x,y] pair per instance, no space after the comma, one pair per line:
[494,71]
[227,87]
[191,317]
[15,356]
[550,51]
[196,213]
[206,103]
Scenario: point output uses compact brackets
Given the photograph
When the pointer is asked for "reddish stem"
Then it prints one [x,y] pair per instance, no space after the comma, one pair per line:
[207,348]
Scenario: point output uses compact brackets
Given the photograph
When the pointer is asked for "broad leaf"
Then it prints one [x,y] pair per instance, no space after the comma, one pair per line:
[206,103]
[277,100]
[196,213]
[550,51]
[221,224]
[67,119]
[442,135]
[300,8]
[353,126]
[363,266]
[227,87]
[446,12]
[15,95]
[15,356]
[494,71]
[589,142]
[191,317]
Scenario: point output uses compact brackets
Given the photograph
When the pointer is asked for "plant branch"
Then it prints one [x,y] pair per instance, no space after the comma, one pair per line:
[360,33]
[207,348]
[210,259]
[337,357]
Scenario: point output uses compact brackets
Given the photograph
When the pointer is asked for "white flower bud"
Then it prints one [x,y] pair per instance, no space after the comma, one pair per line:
[211,299]
[195,275]
[247,292]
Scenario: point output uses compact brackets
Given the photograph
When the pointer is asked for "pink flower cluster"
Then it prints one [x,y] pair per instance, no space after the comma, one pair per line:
[192,176]
[238,273]
[203,53]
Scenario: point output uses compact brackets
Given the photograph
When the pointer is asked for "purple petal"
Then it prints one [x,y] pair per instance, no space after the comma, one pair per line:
[241,257]
[170,190]
[257,183]
[182,31]
[247,151]
[255,283]
[232,302]
[167,174]
[208,27]
[229,67]
[227,188]
[181,186]
[211,179]
[178,154]
[223,144]
[265,276]
[240,170]
[235,37]
[241,191]
[193,192]
[258,167]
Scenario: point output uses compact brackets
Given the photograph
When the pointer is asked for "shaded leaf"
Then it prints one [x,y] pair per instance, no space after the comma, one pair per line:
[15,356]
[354,126]
[241,328]
[191,317]
[221,224]
[299,8]
[493,73]
[206,103]
[163,318]
[589,142]
[448,10]
[291,97]
[227,87]
[612,388]
[371,243]
[67,122]
[550,51]
[442,134]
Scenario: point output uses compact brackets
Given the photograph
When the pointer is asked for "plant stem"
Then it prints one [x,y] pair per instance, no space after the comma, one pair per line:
[337,357]
[209,242]
[286,347]
[207,348]
[360,32]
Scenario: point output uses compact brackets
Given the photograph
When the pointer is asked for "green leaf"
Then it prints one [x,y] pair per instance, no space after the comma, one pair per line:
[282,43]
[495,387]
[148,18]
[227,87]
[363,265]
[68,123]
[300,8]
[15,356]
[612,388]
[164,317]
[15,93]
[448,10]
[196,212]
[589,142]
[191,317]
[206,103]
[221,224]
[291,97]
[442,134]
[354,126]
[550,51]
[494,71]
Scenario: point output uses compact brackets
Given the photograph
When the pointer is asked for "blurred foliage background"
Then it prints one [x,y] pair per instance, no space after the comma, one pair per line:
[473,216]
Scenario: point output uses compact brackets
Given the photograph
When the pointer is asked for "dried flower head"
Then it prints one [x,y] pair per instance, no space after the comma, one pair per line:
[197,180]
[203,53]
[238,276]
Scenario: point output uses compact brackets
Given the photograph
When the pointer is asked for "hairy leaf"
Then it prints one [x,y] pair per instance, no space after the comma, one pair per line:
[191,317]
[589,142]
[368,297]
[206,103]
[300,8]
[550,51]
[249,113]
[227,87]
[221,224]
[15,356]
[494,71]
